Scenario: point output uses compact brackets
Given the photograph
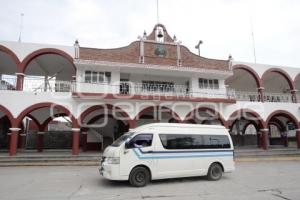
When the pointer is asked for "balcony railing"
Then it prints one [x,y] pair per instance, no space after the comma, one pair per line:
[130,88]
[268,97]
[36,85]
[46,86]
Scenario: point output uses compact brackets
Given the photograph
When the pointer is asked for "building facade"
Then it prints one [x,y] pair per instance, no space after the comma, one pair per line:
[83,98]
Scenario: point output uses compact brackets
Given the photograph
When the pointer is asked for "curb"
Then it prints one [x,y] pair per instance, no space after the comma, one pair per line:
[269,158]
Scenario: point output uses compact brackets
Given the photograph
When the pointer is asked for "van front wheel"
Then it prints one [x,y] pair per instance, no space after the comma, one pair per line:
[215,172]
[139,177]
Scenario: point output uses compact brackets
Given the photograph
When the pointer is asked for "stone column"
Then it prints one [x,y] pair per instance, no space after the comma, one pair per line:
[298,138]
[264,138]
[13,146]
[22,140]
[76,140]
[132,123]
[84,141]
[40,141]
[294,95]
[261,94]
[20,81]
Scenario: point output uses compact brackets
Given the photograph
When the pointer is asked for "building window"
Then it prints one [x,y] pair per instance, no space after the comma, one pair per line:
[183,141]
[158,86]
[87,76]
[208,83]
[216,84]
[97,77]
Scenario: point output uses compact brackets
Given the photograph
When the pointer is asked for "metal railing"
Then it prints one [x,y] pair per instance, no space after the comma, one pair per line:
[268,97]
[246,96]
[135,88]
[277,97]
[131,88]
[8,84]
[36,85]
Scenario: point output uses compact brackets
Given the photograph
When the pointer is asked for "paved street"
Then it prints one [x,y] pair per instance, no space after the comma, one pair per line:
[252,180]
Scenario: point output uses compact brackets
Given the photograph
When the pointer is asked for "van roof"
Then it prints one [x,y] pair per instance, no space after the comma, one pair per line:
[177,125]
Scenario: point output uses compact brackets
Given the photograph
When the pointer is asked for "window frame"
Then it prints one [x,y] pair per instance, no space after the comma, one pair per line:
[131,144]
[203,146]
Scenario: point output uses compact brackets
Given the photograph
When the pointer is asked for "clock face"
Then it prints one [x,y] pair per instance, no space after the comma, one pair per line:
[160,51]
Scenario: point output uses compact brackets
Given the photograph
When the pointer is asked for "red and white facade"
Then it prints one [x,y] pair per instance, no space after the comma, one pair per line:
[102,93]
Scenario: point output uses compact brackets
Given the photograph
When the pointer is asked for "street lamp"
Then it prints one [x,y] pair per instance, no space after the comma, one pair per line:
[198,46]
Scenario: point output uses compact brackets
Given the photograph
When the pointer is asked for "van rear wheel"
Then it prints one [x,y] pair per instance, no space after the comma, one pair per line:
[215,172]
[139,177]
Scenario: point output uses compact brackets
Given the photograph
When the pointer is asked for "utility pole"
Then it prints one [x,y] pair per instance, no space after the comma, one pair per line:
[21,28]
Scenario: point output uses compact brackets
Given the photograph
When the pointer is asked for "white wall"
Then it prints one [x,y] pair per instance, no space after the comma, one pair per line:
[24,49]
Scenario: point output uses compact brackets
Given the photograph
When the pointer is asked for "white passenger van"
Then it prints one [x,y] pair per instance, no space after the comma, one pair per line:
[168,150]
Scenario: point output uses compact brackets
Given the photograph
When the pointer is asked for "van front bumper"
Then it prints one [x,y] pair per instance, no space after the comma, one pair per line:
[110,171]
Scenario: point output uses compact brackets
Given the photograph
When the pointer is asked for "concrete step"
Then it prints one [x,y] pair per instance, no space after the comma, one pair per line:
[66,159]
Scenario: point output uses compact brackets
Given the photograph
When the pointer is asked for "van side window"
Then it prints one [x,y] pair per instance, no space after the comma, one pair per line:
[183,141]
[141,140]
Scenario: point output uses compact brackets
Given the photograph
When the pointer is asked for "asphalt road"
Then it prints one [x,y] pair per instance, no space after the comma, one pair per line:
[252,180]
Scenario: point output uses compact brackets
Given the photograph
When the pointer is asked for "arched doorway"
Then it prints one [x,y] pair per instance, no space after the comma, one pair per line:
[9,69]
[102,124]
[6,120]
[205,115]
[246,83]
[156,114]
[48,70]
[38,136]
[282,128]
[245,126]
[278,86]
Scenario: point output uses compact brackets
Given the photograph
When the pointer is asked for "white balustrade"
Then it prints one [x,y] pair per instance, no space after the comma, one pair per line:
[130,88]
[268,97]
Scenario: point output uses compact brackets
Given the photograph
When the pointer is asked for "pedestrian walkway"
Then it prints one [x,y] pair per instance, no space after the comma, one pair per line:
[64,157]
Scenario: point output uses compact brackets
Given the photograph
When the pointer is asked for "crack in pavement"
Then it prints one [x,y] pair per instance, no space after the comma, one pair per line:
[73,193]
[282,197]
[157,196]
[276,193]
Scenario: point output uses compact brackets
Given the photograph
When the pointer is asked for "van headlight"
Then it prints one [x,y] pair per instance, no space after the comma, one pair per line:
[113,160]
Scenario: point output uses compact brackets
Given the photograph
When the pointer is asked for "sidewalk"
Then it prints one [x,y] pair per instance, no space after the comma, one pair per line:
[64,157]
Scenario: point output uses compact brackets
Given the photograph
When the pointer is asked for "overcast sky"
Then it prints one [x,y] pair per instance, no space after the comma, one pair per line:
[223,25]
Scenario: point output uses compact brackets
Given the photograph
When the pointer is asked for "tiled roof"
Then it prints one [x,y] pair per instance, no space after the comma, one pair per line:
[131,54]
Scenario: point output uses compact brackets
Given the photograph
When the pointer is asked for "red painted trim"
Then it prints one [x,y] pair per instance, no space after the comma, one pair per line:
[277,123]
[297,78]
[282,73]
[298,139]
[13,146]
[37,123]
[44,51]
[91,109]
[75,143]
[155,98]
[242,113]
[48,120]
[9,115]
[45,105]
[250,123]
[251,71]
[13,56]
[191,115]
[159,108]
[285,114]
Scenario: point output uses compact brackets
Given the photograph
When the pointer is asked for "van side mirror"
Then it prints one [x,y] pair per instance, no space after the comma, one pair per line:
[127,145]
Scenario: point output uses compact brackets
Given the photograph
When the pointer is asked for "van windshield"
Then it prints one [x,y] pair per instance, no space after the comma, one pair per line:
[122,139]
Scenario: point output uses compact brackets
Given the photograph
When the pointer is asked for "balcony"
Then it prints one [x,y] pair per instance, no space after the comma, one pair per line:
[268,97]
[141,89]
[36,85]
[154,90]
